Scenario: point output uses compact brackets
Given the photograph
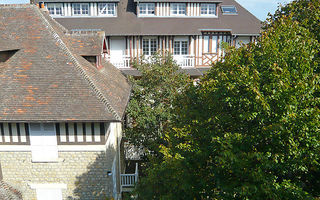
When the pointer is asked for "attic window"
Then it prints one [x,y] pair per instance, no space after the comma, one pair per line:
[229,10]
[6,55]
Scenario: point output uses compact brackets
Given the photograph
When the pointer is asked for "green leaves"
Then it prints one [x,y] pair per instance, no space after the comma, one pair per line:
[251,128]
[150,108]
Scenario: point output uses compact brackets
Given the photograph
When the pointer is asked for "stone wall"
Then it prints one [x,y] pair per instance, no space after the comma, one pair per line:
[84,173]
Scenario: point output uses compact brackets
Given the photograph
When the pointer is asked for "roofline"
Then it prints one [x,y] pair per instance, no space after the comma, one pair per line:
[185,1]
[54,121]
[246,34]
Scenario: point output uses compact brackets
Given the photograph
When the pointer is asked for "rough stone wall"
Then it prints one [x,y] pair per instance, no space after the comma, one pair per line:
[84,173]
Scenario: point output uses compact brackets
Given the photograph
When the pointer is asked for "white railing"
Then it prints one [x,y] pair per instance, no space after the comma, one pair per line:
[184,60]
[119,62]
[125,61]
[129,180]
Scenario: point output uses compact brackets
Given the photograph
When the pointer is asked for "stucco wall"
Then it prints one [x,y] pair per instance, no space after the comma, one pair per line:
[84,173]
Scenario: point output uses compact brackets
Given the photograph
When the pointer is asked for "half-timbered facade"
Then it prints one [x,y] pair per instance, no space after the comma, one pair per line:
[192,31]
[61,109]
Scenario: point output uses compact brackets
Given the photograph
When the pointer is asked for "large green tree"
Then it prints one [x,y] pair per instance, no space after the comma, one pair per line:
[150,107]
[251,128]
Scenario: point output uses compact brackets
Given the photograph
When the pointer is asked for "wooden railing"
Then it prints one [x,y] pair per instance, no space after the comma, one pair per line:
[128,181]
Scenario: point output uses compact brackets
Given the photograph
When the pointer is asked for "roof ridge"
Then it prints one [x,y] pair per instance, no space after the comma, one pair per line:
[64,47]
[15,5]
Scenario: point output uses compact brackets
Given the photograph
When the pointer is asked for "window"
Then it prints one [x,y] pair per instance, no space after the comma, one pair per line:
[214,43]
[229,10]
[107,9]
[43,142]
[149,46]
[208,9]
[146,8]
[178,9]
[55,8]
[180,47]
[80,8]
[6,55]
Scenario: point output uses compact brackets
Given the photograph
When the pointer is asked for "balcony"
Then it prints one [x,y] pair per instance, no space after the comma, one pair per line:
[185,61]
[124,62]
[119,62]
[128,181]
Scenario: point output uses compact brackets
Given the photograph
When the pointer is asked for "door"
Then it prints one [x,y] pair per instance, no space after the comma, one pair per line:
[43,142]
[117,50]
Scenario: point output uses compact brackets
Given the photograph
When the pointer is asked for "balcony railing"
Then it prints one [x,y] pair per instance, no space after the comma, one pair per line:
[128,181]
[184,60]
[125,61]
[119,62]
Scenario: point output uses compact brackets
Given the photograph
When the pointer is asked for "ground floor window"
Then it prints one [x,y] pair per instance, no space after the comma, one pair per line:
[181,47]
[149,46]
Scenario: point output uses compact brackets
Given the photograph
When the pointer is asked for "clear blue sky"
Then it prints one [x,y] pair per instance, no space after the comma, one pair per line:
[259,8]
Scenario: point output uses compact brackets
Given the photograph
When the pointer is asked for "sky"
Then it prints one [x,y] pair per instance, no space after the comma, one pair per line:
[260,8]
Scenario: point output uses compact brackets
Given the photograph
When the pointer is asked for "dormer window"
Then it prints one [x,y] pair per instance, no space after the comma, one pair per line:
[6,55]
[80,9]
[208,9]
[107,9]
[178,9]
[229,10]
[146,9]
[55,9]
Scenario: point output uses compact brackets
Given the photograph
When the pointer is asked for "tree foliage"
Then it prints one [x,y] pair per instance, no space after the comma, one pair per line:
[150,107]
[251,128]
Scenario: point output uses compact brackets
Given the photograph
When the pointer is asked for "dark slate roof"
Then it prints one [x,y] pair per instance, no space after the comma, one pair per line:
[127,22]
[47,81]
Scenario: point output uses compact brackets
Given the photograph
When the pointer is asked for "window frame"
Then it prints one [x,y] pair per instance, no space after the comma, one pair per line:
[34,139]
[148,8]
[81,10]
[178,7]
[182,50]
[106,9]
[55,8]
[207,8]
[150,48]
[229,13]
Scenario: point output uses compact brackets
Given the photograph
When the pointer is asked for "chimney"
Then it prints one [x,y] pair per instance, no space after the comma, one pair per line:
[41,4]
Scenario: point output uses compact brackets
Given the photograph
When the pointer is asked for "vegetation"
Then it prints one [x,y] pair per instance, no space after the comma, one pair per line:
[250,128]
[150,108]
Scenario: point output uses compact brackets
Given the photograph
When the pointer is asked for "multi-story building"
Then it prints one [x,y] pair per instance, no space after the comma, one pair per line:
[191,30]
[61,111]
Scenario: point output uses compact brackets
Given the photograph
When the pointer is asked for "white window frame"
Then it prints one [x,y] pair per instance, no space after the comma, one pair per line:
[49,191]
[81,9]
[105,9]
[150,9]
[229,13]
[37,149]
[180,8]
[55,6]
[207,8]
[149,51]
[180,41]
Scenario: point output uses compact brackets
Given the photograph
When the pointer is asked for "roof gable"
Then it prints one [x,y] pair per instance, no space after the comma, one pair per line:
[46,80]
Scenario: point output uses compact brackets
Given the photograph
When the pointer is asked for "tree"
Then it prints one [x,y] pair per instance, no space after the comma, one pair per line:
[150,107]
[251,128]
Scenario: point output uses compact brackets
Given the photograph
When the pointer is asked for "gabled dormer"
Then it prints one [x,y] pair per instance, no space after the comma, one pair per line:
[89,8]
[171,8]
